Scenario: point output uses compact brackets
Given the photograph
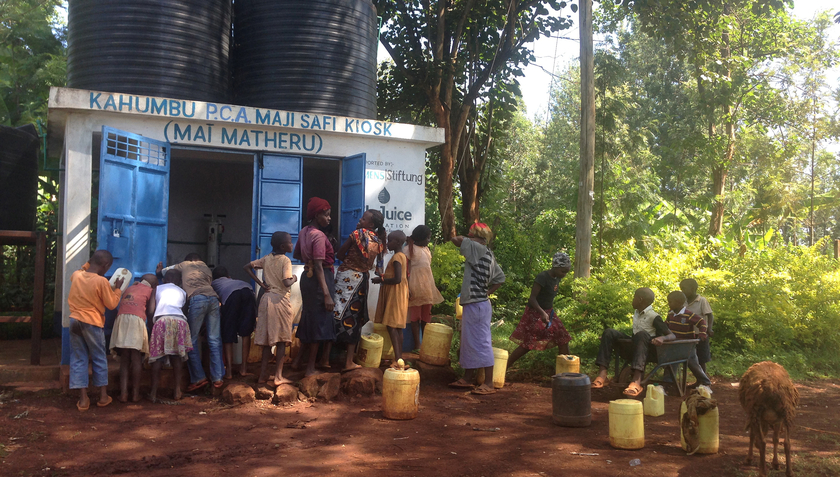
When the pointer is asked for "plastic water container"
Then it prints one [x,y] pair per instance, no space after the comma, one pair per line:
[387,347]
[499,369]
[369,352]
[654,401]
[567,363]
[400,393]
[627,424]
[125,275]
[708,430]
[571,400]
[437,341]
[459,310]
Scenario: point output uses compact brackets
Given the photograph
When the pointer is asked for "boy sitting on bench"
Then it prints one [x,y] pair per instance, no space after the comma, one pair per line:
[686,325]
[648,328]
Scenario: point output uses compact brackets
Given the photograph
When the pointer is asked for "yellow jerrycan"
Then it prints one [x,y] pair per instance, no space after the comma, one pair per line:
[437,339]
[400,392]
[459,310]
[627,424]
[387,348]
[499,369]
[567,363]
[708,429]
[654,401]
[369,353]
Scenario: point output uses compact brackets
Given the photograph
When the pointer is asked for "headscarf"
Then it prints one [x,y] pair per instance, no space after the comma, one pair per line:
[480,229]
[316,206]
[561,260]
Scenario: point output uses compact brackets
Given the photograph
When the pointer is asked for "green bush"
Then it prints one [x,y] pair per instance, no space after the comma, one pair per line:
[448,270]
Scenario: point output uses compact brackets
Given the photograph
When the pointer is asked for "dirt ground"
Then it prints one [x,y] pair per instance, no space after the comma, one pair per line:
[455,434]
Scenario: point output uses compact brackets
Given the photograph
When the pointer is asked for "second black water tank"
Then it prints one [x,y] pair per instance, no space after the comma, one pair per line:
[171,48]
[314,56]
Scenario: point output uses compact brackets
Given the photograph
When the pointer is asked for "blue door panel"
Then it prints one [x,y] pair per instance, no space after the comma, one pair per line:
[282,168]
[133,207]
[352,193]
[278,191]
[280,194]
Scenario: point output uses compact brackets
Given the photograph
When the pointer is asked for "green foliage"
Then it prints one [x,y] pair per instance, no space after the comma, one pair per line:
[448,270]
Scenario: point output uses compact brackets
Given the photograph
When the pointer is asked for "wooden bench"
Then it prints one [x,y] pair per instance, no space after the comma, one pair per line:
[39,240]
[669,356]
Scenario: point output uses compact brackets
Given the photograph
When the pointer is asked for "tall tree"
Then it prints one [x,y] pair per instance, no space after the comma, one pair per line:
[454,52]
[586,192]
[31,58]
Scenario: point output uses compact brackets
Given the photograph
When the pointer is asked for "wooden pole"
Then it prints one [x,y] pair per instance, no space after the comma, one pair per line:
[38,296]
[837,249]
[586,192]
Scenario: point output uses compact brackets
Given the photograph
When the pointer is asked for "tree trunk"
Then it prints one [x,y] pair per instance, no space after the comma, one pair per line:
[583,226]
[719,174]
[721,170]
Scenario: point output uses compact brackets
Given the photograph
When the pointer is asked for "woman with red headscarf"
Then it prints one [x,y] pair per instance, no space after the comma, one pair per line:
[317,286]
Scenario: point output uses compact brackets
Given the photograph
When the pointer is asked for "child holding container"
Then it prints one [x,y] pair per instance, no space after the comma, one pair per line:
[422,292]
[539,328]
[392,307]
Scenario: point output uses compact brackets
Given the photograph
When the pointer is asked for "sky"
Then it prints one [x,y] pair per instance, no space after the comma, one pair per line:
[553,54]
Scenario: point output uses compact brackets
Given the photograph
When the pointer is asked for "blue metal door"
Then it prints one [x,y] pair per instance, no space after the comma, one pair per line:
[352,193]
[278,190]
[133,200]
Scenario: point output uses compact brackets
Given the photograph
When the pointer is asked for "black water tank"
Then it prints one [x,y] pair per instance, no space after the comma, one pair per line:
[171,48]
[18,177]
[306,55]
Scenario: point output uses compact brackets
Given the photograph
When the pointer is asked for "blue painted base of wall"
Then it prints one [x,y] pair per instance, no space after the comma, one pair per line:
[65,345]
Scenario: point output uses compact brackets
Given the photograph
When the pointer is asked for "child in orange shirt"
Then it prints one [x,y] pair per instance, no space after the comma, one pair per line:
[90,294]
[392,307]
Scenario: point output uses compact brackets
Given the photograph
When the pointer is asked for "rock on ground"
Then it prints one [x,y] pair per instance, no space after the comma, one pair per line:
[430,373]
[238,393]
[364,381]
[310,385]
[330,389]
[285,393]
[264,392]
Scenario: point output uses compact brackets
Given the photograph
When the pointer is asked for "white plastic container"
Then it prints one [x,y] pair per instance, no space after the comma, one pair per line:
[125,275]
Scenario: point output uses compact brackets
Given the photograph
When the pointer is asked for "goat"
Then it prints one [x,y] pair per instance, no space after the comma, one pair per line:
[769,398]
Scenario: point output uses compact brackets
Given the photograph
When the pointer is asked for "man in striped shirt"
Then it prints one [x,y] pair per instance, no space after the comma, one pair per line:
[686,325]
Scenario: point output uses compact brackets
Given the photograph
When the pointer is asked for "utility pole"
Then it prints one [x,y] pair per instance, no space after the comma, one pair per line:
[586,192]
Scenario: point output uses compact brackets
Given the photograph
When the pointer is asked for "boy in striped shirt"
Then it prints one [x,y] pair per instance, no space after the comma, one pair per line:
[686,325]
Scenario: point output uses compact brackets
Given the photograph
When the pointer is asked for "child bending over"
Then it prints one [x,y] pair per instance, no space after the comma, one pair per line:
[90,294]
[392,307]
[130,339]
[171,332]
[238,317]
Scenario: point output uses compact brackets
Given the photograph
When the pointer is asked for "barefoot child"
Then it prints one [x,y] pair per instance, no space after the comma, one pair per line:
[130,340]
[422,292]
[698,305]
[392,307]
[90,294]
[539,328]
[171,332]
[238,316]
[274,319]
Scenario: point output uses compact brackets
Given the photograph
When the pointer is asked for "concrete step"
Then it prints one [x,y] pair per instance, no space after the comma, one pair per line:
[20,373]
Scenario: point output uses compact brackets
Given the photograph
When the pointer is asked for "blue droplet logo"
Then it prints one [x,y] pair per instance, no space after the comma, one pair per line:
[384,196]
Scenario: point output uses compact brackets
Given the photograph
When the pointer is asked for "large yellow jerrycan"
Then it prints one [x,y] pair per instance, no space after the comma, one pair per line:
[654,401]
[499,369]
[437,339]
[369,353]
[400,393]
[708,429]
[567,363]
[627,424]
[387,348]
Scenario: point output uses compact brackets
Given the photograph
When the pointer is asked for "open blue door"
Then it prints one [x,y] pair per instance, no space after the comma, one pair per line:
[133,200]
[352,193]
[278,190]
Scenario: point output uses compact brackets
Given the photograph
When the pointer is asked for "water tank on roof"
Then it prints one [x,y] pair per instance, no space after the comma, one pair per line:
[171,48]
[306,55]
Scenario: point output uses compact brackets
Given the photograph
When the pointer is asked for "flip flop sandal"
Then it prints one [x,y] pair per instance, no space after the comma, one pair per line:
[483,390]
[105,403]
[218,384]
[196,386]
[600,383]
[461,384]
[82,409]
[633,390]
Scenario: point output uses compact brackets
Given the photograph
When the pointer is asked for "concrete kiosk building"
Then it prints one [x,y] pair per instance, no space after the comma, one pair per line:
[152,179]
